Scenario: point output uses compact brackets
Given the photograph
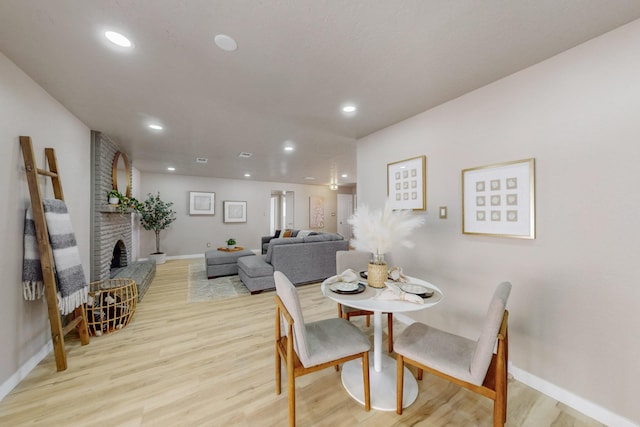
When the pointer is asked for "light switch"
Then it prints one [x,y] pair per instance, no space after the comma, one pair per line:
[442,212]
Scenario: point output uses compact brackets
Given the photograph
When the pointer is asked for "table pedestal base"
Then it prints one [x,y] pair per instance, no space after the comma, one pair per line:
[382,384]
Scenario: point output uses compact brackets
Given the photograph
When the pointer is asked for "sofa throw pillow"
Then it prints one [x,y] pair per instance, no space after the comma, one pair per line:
[286,233]
[304,233]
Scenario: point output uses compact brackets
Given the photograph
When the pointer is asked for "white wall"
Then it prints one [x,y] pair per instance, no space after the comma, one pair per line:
[574,305]
[189,234]
[26,109]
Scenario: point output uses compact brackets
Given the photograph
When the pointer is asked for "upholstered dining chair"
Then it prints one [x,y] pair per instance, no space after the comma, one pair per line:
[467,363]
[359,261]
[310,347]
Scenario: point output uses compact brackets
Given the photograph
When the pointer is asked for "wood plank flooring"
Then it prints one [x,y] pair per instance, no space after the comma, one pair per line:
[212,364]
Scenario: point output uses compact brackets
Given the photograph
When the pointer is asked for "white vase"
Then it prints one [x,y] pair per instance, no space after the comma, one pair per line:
[114,201]
[159,258]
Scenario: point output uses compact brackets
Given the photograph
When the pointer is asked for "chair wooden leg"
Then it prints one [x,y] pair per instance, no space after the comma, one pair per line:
[390,328]
[278,371]
[420,374]
[399,383]
[368,320]
[365,376]
[291,391]
[340,311]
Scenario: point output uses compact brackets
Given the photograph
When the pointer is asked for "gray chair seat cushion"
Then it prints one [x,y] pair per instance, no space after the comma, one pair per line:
[255,266]
[439,350]
[332,339]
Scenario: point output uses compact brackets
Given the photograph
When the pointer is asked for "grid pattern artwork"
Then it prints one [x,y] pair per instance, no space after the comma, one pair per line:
[499,200]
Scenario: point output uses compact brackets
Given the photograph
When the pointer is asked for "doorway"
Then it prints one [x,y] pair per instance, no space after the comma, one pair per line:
[345,210]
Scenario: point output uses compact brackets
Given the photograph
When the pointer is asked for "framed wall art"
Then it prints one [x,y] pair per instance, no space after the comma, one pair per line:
[316,212]
[202,203]
[234,211]
[499,200]
[407,184]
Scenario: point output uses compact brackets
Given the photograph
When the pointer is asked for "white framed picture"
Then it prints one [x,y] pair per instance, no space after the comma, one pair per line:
[407,185]
[201,203]
[234,211]
[499,200]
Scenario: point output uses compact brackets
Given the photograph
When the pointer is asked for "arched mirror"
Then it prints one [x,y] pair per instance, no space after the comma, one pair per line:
[121,174]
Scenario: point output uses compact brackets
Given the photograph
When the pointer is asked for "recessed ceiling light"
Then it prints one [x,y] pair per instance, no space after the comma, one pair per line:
[155,127]
[245,155]
[118,39]
[171,168]
[247,175]
[201,160]
[349,108]
[225,42]
[344,175]
[288,148]
[333,187]
[309,178]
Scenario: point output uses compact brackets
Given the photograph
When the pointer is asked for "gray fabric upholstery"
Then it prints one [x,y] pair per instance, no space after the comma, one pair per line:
[300,262]
[321,341]
[355,260]
[280,241]
[453,355]
[324,237]
[215,256]
[220,263]
[257,266]
[486,342]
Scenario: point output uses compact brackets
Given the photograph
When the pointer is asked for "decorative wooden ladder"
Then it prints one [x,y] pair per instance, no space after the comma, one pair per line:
[46,255]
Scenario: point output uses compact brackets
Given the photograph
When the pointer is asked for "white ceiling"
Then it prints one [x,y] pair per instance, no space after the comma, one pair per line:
[297,63]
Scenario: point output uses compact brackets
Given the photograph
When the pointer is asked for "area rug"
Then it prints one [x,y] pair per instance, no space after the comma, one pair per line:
[202,289]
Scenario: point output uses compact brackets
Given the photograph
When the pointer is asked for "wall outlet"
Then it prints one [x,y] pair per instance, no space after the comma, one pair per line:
[208,244]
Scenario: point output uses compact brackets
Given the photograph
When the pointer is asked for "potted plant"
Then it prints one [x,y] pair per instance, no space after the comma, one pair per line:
[114,197]
[231,243]
[155,215]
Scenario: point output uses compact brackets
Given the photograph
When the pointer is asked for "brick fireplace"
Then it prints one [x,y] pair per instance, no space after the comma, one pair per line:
[112,232]
[109,228]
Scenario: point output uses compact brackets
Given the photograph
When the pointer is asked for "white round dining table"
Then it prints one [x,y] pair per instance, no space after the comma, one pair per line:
[382,367]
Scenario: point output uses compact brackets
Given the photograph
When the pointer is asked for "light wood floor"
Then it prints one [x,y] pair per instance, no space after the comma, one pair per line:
[212,364]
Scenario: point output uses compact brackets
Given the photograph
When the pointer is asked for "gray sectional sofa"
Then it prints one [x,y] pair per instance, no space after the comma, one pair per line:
[302,259]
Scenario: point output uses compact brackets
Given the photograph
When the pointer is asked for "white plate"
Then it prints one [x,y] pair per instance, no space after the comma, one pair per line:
[344,286]
[412,288]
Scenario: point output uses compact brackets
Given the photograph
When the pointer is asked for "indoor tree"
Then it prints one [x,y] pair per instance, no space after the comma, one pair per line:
[155,215]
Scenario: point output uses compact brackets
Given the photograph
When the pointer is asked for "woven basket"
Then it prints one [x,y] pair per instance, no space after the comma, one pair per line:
[111,305]
[376,275]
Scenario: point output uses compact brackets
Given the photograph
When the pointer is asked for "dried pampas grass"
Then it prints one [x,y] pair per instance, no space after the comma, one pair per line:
[379,231]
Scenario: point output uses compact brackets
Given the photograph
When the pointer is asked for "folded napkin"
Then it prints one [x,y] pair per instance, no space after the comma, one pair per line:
[393,292]
[397,275]
[348,276]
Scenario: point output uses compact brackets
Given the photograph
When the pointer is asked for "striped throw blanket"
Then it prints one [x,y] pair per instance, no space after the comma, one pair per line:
[72,286]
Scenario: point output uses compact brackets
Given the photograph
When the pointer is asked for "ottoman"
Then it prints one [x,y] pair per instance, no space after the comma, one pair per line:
[220,263]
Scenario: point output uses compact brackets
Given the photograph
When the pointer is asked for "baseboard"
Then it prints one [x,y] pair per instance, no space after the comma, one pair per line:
[572,400]
[178,257]
[24,370]
[186,256]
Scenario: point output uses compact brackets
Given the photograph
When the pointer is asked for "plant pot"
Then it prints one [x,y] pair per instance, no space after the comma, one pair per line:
[114,201]
[159,258]
[231,246]
[377,274]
